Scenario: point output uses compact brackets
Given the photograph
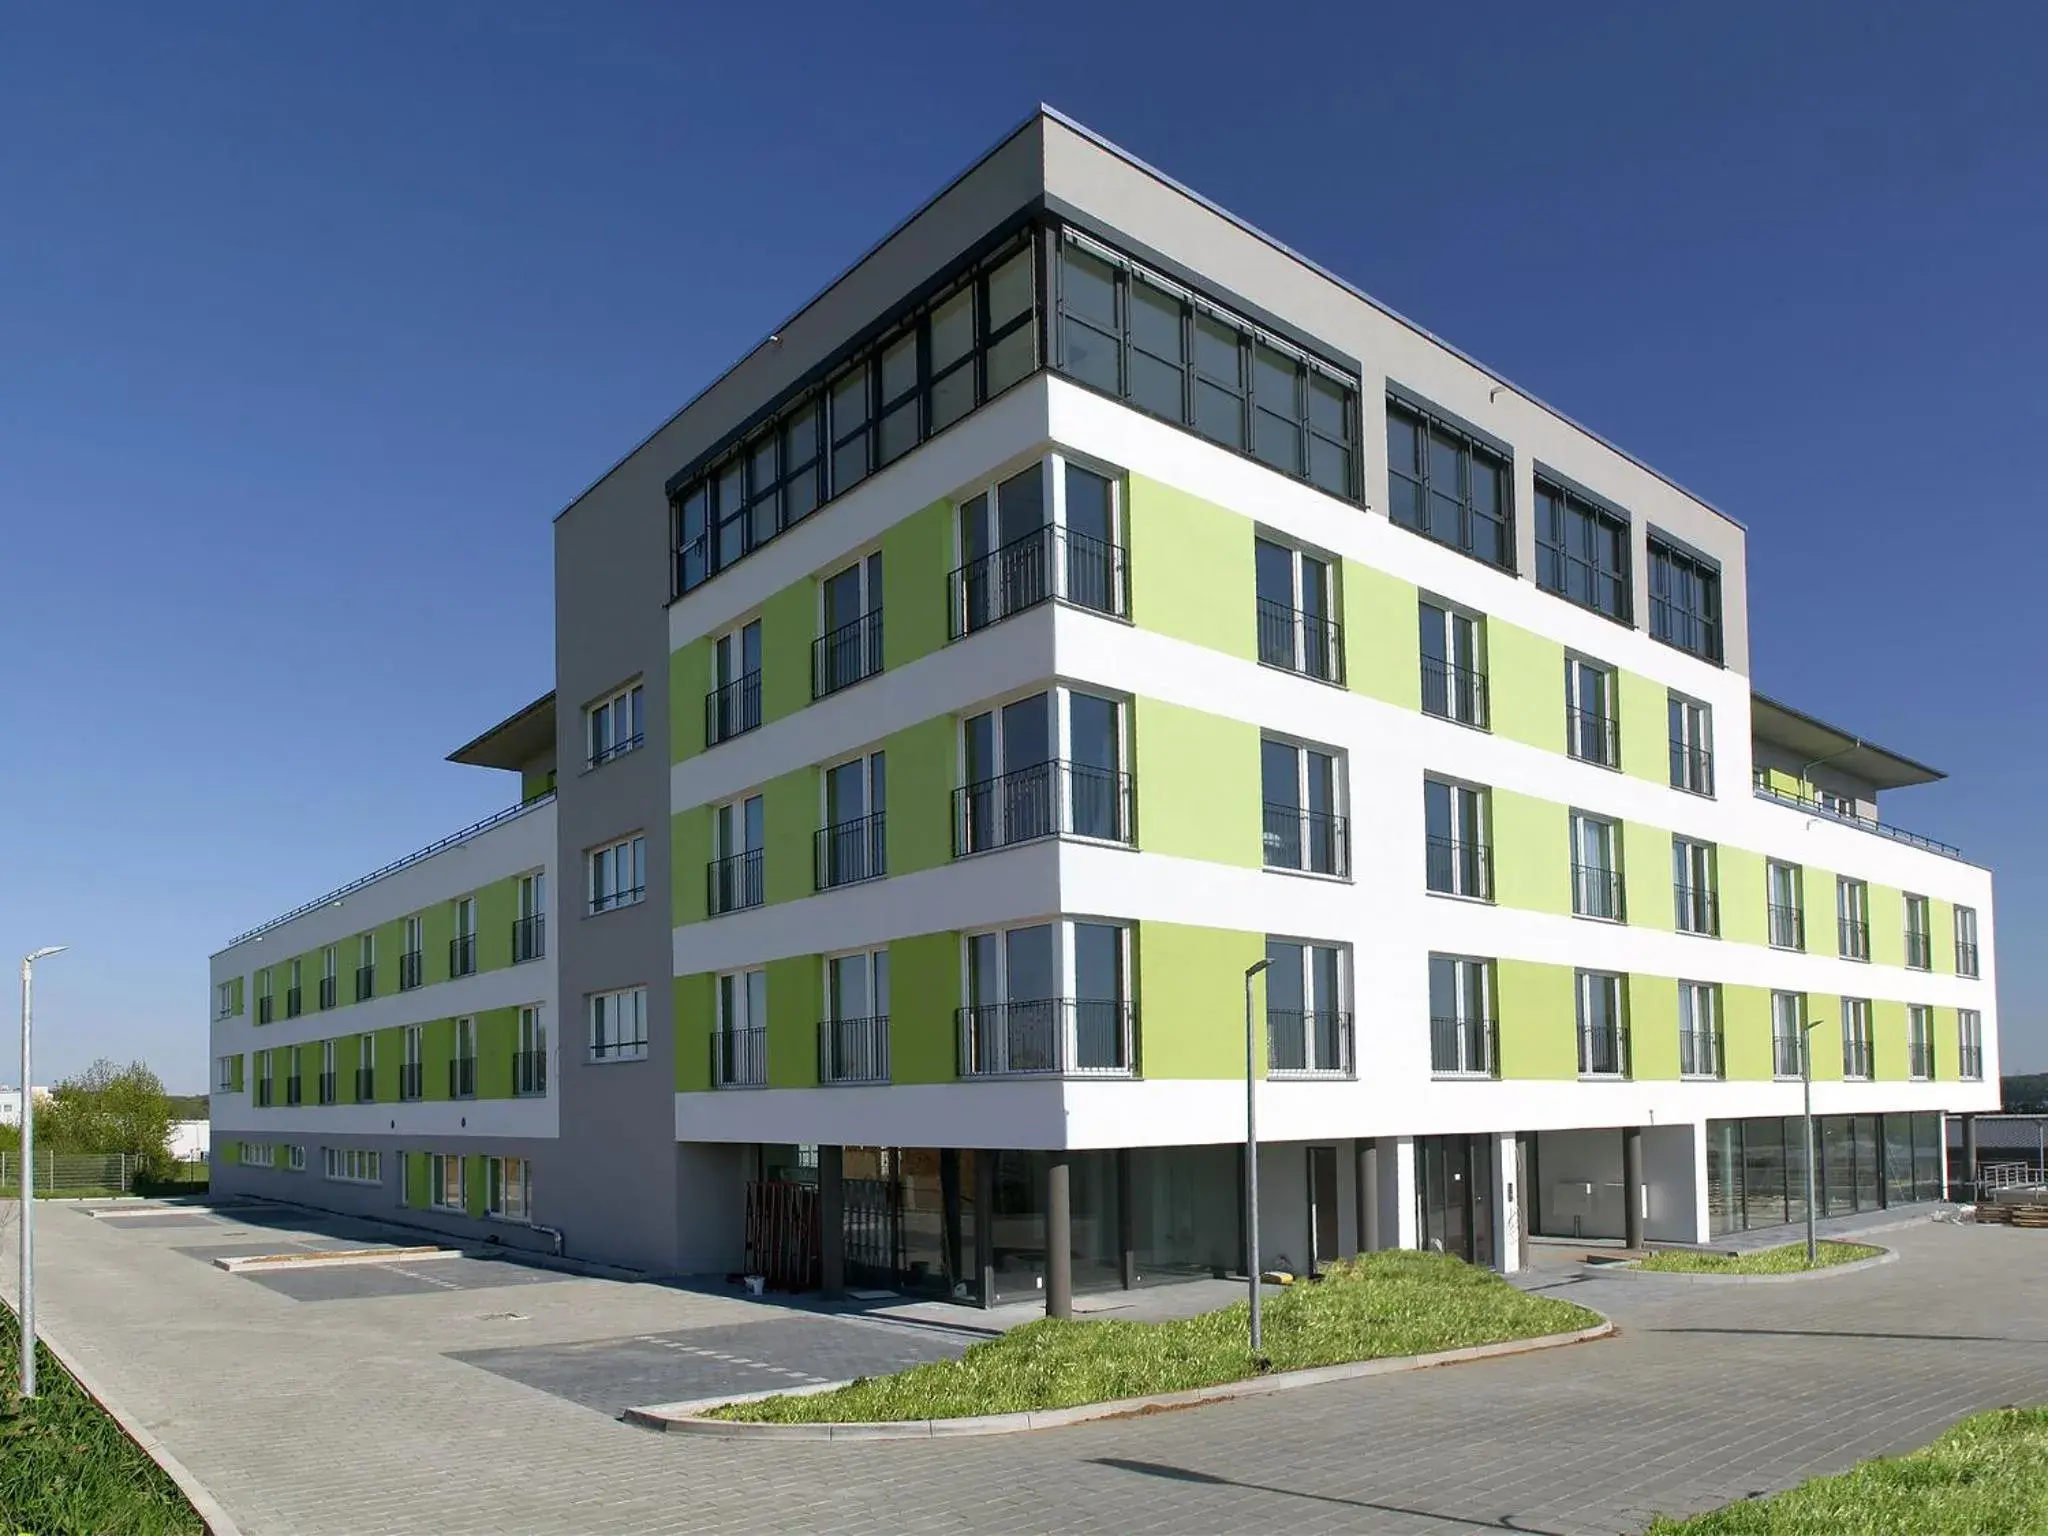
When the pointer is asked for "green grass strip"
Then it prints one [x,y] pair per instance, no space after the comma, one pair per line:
[1371,1308]
[1986,1477]
[66,1468]
[1789,1259]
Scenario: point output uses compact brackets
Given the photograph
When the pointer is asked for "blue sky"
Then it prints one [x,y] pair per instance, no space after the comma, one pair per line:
[311,318]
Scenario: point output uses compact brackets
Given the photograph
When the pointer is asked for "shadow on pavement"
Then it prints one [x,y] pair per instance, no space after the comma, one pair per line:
[1189,1475]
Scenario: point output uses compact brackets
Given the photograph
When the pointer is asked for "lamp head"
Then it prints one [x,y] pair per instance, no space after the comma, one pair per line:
[45,952]
[1252,970]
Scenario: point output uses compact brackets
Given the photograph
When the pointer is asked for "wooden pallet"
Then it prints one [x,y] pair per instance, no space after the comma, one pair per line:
[1992,1214]
[2030,1216]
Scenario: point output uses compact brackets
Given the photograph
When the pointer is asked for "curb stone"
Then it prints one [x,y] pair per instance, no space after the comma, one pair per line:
[687,1422]
[1887,1256]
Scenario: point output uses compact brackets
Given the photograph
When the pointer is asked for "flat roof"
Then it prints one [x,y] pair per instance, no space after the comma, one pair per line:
[514,741]
[1815,741]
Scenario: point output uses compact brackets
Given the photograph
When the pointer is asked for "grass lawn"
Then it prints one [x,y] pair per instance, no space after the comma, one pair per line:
[1987,1475]
[66,1469]
[1392,1303]
[1765,1261]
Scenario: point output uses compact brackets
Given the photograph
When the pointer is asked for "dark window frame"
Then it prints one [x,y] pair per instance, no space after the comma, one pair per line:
[1559,498]
[1426,419]
[1696,631]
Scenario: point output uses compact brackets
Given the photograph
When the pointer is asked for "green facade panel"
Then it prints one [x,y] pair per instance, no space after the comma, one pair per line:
[1744,897]
[795,1004]
[1888,1059]
[439,922]
[390,1057]
[1746,1034]
[1645,728]
[1525,686]
[475,1184]
[497,1039]
[1382,645]
[1538,1020]
[1818,893]
[418,1180]
[497,910]
[790,815]
[1531,853]
[390,945]
[924,992]
[1190,1000]
[917,558]
[789,625]
[923,773]
[228,1153]
[694,1007]
[437,1050]
[1653,1028]
[1941,918]
[1197,784]
[1191,569]
[1648,893]
[689,834]
[1887,926]
[689,679]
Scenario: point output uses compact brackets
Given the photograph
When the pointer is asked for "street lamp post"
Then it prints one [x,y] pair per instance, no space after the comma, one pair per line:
[1251,1151]
[1806,1128]
[27,1314]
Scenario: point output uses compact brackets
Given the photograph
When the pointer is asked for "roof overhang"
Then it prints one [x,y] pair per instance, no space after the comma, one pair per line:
[514,741]
[1815,741]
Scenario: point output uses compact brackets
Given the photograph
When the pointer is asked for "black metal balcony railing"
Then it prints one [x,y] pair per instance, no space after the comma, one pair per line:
[1592,737]
[327,1088]
[1816,807]
[1696,910]
[1315,841]
[412,969]
[1970,1063]
[1461,1047]
[1699,1053]
[462,955]
[1788,926]
[739,1056]
[1049,1037]
[1920,1059]
[529,1073]
[854,1050]
[844,656]
[1603,1050]
[734,882]
[850,852]
[326,991]
[1455,867]
[366,983]
[293,1090]
[1045,563]
[1855,1056]
[1056,799]
[265,1008]
[1919,951]
[1596,891]
[1853,934]
[1966,957]
[1454,692]
[1785,1056]
[1692,768]
[1308,1043]
[412,1081]
[264,1089]
[733,709]
[529,937]
[292,1000]
[462,1078]
[1301,642]
[366,1085]
[618,748]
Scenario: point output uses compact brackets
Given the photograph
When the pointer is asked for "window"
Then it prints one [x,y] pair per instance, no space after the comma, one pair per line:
[1582,549]
[266,1067]
[1296,598]
[1969,1044]
[1308,1027]
[366,1069]
[329,964]
[294,1082]
[1852,917]
[1788,1038]
[734,704]
[265,1003]
[737,839]
[227,1076]
[293,996]
[227,999]
[462,947]
[1692,745]
[462,1067]
[618,874]
[529,929]
[412,958]
[447,1188]
[1460,1016]
[1783,892]
[329,1093]
[1603,1026]
[1133,334]
[1685,599]
[1457,847]
[508,1188]
[613,726]
[853,844]
[618,1025]
[1047,765]
[412,1069]
[1448,484]
[1303,829]
[1591,705]
[1699,1029]
[1047,998]
[1919,935]
[259,1154]
[353,1165]
[1693,887]
[530,1060]
[295,1158]
[1453,665]
[739,1043]
[853,1038]
[366,967]
[1856,1037]
[850,646]
[1053,529]
[1919,1041]
[1596,867]
[1966,941]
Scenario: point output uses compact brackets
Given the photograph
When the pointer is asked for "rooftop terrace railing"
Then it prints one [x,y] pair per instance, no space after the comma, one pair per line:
[1814,807]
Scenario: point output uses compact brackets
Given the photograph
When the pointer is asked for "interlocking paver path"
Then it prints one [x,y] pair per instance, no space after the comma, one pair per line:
[351,1416]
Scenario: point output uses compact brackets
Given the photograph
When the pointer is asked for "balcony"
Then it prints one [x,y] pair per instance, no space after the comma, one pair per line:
[1045,563]
[1835,812]
[293,1091]
[739,1057]
[1787,926]
[1785,1056]
[1603,1050]
[1312,1043]
[1970,1063]
[1696,910]
[1966,957]
[326,992]
[1919,951]
[1452,692]
[1853,937]
[327,1093]
[1313,842]
[733,883]
[264,1089]
[733,709]
[1699,1053]
[1855,1057]
[1920,1060]
[846,655]
[529,937]
[462,1078]
[1596,891]
[366,1085]
[854,1050]
[1056,799]
[1592,737]
[529,1074]
[850,852]
[1455,867]
[366,983]
[462,955]
[265,1008]
[1692,768]
[412,969]
[292,997]
[1461,1047]
[1300,642]
[412,1081]
[1047,1037]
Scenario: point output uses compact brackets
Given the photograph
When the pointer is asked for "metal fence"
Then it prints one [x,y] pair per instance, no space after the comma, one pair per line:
[89,1173]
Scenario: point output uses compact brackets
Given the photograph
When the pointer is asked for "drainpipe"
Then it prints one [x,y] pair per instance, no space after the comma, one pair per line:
[561,1243]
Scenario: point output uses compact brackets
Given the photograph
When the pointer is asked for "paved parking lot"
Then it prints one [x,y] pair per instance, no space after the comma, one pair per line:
[472,1410]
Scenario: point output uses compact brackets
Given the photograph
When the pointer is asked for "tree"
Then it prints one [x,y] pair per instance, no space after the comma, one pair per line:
[109,1109]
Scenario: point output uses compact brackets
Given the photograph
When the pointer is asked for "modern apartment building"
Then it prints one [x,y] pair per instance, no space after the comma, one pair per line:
[1084,627]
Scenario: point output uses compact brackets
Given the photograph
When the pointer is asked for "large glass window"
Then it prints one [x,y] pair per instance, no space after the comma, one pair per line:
[1460,1016]
[1052,530]
[1596,867]
[735,878]
[1919,934]
[1692,744]
[1453,665]
[1591,712]
[1788,1039]
[1296,596]
[1582,550]
[1699,1029]
[853,843]
[1919,1041]
[1966,941]
[1697,904]
[1047,765]
[1856,1057]
[1458,860]
[1685,599]
[1448,485]
[1303,828]
[1786,905]
[1047,998]
[1603,1025]
[1308,1027]
[1969,1044]
[1852,918]
[850,646]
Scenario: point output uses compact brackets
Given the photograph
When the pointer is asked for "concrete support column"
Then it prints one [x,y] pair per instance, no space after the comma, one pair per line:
[832,1219]
[1126,1221]
[1366,1191]
[1507,1205]
[1059,1238]
[1632,1185]
[984,1229]
[1397,1190]
[1965,1178]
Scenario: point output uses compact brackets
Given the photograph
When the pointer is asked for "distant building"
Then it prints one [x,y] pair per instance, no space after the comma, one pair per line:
[10,1104]
[191,1140]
